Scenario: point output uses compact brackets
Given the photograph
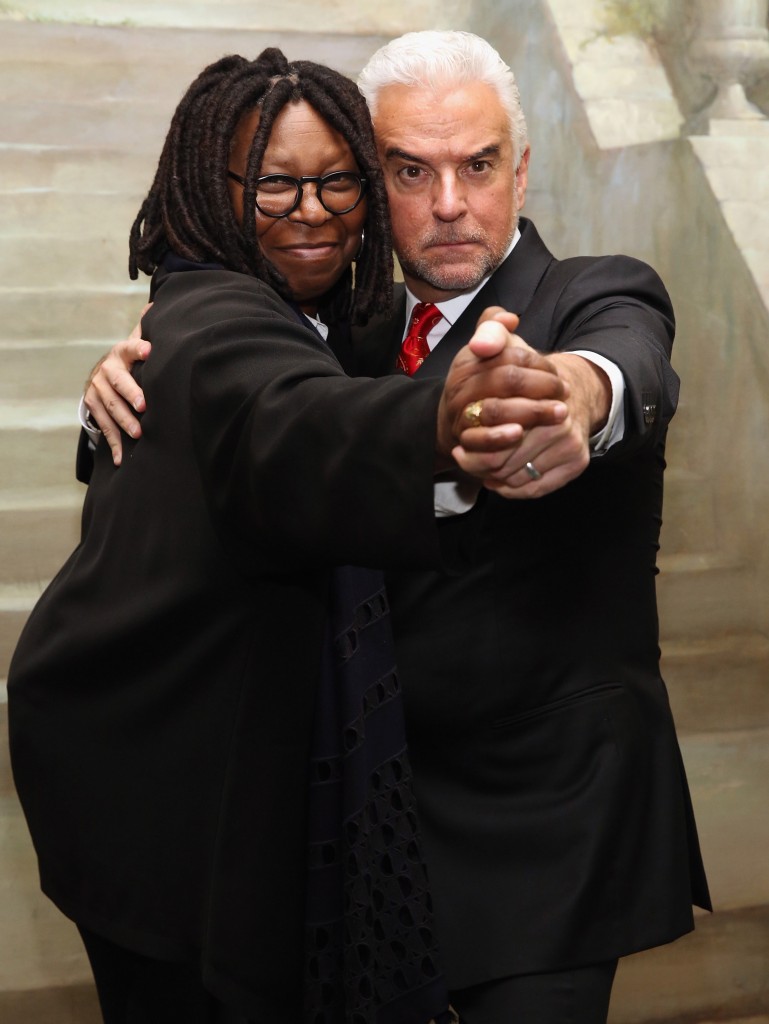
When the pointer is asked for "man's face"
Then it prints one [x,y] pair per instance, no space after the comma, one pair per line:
[452,184]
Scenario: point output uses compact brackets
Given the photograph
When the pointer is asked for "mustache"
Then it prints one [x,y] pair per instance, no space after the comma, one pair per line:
[451,235]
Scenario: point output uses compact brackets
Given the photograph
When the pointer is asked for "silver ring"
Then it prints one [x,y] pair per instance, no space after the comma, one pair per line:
[532,470]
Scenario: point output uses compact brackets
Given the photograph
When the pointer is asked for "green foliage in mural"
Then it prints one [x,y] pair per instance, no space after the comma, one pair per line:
[644,18]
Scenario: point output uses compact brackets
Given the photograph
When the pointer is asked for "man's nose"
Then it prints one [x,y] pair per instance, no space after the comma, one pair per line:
[449,197]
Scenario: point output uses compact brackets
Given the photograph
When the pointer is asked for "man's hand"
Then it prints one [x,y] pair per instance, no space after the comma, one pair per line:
[112,396]
[548,456]
[517,387]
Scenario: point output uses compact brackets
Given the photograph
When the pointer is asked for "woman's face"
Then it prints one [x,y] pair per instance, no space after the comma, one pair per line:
[310,246]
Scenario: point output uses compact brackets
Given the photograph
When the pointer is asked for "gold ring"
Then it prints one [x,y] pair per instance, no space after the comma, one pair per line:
[473,413]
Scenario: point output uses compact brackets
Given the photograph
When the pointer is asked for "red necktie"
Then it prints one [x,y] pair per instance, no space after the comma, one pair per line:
[415,349]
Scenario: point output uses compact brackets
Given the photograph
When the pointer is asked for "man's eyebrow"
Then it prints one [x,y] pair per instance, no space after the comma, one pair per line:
[409,157]
[491,150]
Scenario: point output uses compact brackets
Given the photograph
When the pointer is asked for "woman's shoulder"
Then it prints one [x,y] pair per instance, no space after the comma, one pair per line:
[197,285]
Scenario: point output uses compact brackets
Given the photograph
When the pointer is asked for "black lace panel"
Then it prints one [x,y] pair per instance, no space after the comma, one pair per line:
[372,953]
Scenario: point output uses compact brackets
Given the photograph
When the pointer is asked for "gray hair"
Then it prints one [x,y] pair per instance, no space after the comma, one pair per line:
[435,59]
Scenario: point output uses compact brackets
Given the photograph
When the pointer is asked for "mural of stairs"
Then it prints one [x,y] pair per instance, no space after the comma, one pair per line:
[83,114]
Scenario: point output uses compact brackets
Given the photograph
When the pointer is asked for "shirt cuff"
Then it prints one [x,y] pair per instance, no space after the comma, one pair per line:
[87,423]
[454,495]
[614,430]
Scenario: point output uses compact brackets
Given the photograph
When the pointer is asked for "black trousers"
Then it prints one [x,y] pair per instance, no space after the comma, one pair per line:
[135,989]
[578,996]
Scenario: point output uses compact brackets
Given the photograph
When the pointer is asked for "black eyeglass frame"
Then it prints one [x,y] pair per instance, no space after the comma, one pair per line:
[299,183]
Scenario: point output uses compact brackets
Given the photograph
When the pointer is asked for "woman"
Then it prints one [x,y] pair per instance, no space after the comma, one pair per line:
[166,788]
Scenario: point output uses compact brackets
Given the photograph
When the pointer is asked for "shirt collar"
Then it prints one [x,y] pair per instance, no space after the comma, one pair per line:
[319,326]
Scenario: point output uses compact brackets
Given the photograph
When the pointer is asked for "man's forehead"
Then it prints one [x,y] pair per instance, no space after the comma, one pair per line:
[465,119]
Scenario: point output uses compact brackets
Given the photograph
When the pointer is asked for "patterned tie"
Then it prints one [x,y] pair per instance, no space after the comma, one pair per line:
[415,349]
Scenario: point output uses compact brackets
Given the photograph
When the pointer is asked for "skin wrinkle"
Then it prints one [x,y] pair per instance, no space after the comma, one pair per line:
[454,190]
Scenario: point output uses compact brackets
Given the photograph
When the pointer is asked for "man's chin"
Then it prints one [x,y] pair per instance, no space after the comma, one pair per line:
[447,278]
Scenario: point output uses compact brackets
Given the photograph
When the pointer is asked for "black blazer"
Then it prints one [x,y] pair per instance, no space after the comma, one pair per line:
[553,800]
[161,695]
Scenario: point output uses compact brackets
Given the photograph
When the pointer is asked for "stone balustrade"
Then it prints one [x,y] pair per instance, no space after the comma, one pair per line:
[731,47]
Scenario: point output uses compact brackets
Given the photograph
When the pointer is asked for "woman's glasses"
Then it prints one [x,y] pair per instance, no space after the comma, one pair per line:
[277,195]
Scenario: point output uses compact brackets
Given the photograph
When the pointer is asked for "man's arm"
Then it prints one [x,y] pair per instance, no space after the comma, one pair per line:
[112,397]
[616,312]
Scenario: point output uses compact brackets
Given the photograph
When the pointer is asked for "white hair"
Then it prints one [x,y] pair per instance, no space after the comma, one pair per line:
[439,59]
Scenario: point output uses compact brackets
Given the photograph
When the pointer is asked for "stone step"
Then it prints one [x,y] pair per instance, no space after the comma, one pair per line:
[44,974]
[275,15]
[100,260]
[72,1003]
[729,778]
[720,972]
[60,123]
[689,514]
[74,171]
[64,314]
[39,442]
[86,60]
[39,370]
[722,969]
[718,682]
[43,214]
[704,593]
[38,530]
[16,602]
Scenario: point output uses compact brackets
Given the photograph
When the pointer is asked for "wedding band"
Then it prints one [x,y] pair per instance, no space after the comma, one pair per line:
[532,470]
[473,413]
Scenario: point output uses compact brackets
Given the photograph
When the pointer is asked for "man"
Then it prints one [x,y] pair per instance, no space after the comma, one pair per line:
[552,796]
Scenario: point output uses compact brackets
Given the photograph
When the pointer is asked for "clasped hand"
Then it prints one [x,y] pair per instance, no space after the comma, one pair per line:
[531,415]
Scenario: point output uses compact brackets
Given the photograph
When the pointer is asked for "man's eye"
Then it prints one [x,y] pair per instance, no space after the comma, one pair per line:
[411,173]
[480,166]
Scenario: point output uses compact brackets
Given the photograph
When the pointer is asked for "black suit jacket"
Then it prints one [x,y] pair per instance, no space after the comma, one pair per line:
[556,813]
[161,695]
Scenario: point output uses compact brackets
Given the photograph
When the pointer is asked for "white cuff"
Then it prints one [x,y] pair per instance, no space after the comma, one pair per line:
[89,425]
[614,430]
[454,495]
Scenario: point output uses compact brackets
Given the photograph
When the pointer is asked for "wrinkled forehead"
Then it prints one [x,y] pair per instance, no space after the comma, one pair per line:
[454,120]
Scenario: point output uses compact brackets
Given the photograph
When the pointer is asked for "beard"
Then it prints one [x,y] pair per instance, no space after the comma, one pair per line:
[438,270]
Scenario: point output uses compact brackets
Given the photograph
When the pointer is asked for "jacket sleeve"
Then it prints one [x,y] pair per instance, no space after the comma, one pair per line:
[618,307]
[302,465]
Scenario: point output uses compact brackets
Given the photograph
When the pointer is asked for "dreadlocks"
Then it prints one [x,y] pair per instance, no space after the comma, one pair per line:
[188,208]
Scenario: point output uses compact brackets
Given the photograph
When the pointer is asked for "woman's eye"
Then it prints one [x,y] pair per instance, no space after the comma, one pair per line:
[275,186]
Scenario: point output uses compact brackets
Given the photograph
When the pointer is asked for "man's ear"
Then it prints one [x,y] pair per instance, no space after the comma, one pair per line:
[522,177]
